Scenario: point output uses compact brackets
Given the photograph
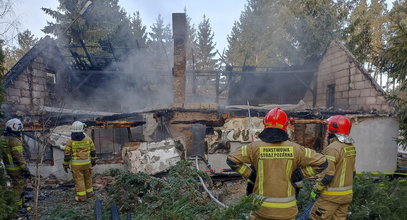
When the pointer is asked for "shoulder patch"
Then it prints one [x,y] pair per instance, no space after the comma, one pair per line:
[350,151]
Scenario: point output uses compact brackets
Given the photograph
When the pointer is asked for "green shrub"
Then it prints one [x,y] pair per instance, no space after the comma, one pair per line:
[375,197]
[177,196]
[7,197]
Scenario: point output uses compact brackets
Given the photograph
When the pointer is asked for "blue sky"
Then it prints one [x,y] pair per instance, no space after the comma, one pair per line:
[221,13]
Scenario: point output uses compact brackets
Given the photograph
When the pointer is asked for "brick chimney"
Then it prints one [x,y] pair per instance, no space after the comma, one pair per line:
[179,30]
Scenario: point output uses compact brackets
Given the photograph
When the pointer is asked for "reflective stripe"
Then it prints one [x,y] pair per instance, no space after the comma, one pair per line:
[279,205]
[288,174]
[80,162]
[250,181]
[275,199]
[10,159]
[278,125]
[89,190]
[331,158]
[343,172]
[244,150]
[81,144]
[242,169]
[81,193]
[339,188]
[261,177]
[18,148]
[308,152]
[12,167]
[337,193]
[310,170]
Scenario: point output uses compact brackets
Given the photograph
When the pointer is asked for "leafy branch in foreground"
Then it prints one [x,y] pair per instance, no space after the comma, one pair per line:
[177,196]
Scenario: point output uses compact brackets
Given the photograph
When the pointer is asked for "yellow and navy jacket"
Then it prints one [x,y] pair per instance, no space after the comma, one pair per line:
[337,180]
[274,164]
[79,153]
[12,154]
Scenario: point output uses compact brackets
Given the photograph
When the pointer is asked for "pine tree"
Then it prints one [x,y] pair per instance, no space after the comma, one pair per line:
[138,30]
[104,23]
[285,32]
[161,43]
[366,33]
[190,45]
[205,54]
[26,41]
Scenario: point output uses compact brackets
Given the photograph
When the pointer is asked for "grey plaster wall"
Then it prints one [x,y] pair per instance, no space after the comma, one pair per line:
[375,145]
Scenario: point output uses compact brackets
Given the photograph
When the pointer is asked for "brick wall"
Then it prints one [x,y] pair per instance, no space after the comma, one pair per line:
[354,88]
[30,90]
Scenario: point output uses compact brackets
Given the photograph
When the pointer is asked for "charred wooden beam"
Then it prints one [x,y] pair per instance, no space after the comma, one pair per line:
[87,53]
[114,124]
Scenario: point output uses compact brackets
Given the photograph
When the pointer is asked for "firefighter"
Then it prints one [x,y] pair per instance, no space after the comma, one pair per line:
[13,158]
[333,189]
[80,153]
[275,159]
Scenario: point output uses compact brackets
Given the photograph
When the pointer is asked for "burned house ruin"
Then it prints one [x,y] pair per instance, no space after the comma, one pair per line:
[47,92]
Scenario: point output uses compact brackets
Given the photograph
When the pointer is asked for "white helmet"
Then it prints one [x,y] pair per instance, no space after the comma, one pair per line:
[14,124]
[77,126]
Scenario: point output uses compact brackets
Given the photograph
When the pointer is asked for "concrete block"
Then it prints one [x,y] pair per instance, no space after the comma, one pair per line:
[352,100]
[13,92]
[354,93]
[25,93]
[340,58]
[340,71]
[365,92]
[345,94]
[343,80]
[380,100]
[342,87]
[361,100]
[371,100]
[25,101]
[39,94]
[357,77]
[374,92]
[153,158]
[37,87]
[369,84]
[341,103]
[13,99]
[359,85]
[21,85]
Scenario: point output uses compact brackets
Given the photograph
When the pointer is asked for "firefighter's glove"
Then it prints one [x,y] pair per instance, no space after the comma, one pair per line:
[66,168]
[316,190]
[314,195]
[26,174]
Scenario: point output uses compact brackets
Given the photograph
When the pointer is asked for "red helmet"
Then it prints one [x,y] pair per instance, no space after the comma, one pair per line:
[339,124]
[276,118]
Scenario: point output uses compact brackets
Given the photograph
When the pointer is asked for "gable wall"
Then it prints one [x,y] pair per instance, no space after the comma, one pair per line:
[29,91]
[354,90]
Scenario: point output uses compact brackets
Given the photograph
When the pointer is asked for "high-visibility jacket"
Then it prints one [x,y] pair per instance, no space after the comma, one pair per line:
[80,153]
[337,179]
[12,154]
[274,164]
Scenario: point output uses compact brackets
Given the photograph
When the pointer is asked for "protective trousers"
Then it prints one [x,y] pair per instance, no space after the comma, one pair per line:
[18,183]
[82,175]
[254,216]
[326,209]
